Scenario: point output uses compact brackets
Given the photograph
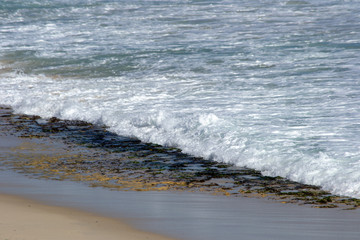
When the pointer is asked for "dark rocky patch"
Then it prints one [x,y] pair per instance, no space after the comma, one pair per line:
[105,159]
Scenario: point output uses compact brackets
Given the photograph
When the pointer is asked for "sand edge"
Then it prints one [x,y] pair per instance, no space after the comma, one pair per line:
[26,219]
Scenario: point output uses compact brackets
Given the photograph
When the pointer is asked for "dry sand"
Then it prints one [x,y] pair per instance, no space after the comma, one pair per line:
[27,220]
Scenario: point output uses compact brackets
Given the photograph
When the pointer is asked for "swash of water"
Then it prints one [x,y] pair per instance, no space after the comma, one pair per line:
[271,85]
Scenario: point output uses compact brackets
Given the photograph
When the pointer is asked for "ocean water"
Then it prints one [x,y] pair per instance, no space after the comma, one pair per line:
[271,85]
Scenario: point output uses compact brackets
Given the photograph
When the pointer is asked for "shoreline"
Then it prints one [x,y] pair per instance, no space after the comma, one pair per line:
[29,165]
[26,219]
[84,152]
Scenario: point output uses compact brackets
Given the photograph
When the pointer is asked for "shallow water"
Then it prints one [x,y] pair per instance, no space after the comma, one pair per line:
[268,85]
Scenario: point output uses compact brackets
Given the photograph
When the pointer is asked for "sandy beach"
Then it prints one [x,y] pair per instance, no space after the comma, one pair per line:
[188,216]
[28,220]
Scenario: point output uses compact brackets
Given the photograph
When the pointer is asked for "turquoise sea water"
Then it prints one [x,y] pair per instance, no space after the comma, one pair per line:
[271,85]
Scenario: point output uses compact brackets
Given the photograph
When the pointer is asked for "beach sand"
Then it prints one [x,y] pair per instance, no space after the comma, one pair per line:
[27,220]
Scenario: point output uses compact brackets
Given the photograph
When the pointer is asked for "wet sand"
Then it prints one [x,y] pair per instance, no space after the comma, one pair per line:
[28,220]
[190,216]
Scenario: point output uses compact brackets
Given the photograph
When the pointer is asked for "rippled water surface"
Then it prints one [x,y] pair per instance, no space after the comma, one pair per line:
[271,85]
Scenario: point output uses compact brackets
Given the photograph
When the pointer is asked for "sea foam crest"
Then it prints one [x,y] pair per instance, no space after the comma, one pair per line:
[204,133]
